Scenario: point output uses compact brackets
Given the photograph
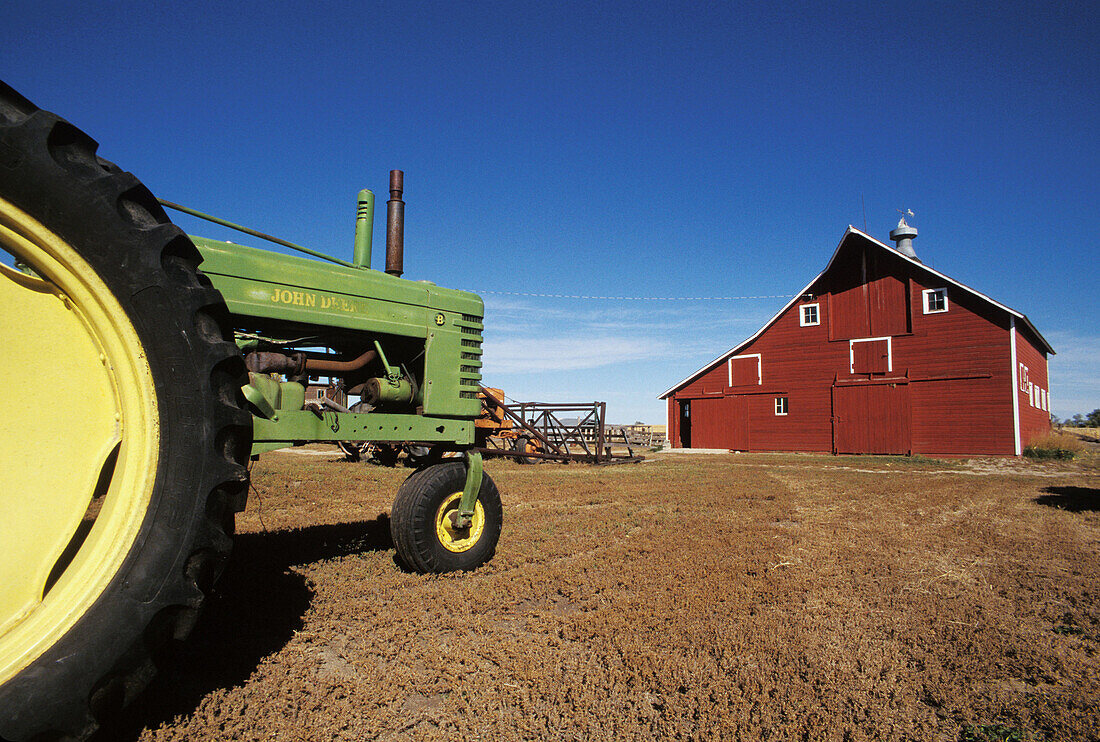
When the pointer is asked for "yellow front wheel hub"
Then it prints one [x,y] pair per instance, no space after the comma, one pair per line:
[458,539]
[79,438]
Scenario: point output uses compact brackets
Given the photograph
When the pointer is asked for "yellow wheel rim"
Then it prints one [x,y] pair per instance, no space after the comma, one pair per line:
[453,539]
[79,439]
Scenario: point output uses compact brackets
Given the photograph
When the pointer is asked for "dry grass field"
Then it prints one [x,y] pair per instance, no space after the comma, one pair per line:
[723,597]
[1089,435]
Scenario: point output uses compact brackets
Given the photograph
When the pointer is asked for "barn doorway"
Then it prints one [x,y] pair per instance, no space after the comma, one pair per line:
[720,422]
[872,418]
[685,423]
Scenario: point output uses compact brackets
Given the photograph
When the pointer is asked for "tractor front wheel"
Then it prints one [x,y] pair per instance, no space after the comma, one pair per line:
[421,525]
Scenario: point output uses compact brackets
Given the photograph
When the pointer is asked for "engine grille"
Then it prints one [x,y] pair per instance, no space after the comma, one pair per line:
[469,373]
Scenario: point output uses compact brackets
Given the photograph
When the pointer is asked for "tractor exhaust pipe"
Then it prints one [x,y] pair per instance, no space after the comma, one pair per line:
[395,225]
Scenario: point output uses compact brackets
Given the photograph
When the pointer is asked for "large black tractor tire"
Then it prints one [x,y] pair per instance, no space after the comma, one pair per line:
[126,435]
[420,524]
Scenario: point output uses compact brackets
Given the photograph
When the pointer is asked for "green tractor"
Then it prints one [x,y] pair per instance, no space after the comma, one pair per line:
[142,388]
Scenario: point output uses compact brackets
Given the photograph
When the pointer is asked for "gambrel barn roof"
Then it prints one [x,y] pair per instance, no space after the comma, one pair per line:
[850,235]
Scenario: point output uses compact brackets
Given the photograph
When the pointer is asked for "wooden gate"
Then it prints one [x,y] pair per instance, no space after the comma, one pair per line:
[871,418]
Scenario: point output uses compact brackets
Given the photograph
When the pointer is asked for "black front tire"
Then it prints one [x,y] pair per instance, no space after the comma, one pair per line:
[424,502]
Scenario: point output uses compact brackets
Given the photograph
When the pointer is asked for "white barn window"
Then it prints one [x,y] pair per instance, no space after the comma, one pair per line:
[935,301]
[809,315]
[781,405]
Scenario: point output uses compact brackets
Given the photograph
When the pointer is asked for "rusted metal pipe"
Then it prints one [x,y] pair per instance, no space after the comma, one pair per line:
[295,364]
[395,225]
[261,362]
[339,368]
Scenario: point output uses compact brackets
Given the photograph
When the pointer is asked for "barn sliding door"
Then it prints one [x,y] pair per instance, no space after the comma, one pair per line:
[721,422]
[737,426]
[871,418]
[706,423]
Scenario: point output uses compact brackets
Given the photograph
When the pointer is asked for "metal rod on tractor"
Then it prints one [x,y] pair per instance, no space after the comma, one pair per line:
[255,232]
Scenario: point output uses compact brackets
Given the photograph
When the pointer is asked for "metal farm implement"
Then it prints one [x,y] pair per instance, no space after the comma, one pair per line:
[164,380]
[542,431]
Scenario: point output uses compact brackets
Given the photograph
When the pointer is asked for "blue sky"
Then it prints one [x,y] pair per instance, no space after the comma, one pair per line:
[615,149]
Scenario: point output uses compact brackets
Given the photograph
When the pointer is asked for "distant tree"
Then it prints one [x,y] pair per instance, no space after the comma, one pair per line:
[1077,421]
[1054,421]
[1093,419]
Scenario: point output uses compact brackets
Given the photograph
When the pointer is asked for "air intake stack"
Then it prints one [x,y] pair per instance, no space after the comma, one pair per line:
[903,236]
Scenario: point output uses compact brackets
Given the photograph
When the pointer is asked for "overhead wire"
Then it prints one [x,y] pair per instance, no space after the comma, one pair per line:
[631,298]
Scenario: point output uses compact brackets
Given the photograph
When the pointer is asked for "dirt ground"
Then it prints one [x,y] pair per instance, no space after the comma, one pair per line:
[724,597]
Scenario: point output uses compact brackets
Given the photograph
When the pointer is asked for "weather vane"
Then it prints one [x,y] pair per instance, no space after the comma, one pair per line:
[904,213]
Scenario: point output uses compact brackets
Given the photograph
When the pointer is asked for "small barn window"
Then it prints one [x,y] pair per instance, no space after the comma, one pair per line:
[935,301]
[781,405]
[809,316]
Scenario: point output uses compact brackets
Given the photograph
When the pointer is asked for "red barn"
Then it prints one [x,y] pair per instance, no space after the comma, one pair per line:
[878,354]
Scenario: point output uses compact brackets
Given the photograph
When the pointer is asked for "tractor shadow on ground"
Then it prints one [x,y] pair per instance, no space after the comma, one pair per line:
[255,609]
[1073,499]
